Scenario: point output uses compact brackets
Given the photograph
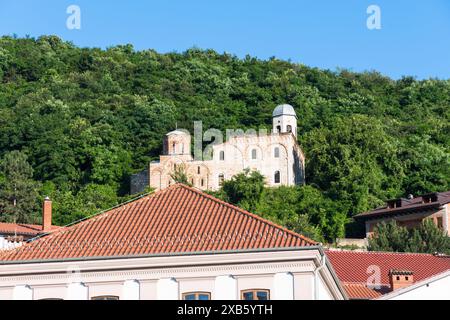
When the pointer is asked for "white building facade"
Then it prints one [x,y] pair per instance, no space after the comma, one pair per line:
[300,274]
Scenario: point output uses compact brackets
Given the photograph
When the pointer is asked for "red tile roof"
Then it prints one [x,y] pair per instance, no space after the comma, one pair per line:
[175,220]
[352,268]
[22,229]
[361,291]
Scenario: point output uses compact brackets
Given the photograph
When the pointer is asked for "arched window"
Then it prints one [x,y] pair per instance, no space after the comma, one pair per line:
[278,129]
[254,154]
[173,147]
[222,155]
[255,294]
[277,177]
[276,152]
[221,179]
[198,170]
[197,296]
[289,128]
[105,298]
[202,183]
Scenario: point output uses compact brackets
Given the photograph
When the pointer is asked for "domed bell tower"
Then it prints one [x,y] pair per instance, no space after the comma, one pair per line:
[285,119]
[177,143]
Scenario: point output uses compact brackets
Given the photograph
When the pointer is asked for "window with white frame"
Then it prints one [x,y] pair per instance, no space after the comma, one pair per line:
[255,294]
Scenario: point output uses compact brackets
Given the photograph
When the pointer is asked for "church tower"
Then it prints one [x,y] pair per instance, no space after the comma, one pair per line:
[177,143]
[285,119]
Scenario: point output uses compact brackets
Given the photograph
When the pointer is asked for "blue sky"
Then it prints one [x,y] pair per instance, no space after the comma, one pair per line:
[414,39]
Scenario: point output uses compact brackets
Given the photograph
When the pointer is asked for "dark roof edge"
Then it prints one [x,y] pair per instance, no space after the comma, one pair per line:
[397,211]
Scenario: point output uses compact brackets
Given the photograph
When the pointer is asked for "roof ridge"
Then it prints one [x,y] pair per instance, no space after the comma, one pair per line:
[245,212]
[383,252]
[356,283]
[26,225]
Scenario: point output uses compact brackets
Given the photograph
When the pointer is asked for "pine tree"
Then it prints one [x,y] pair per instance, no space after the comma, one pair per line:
[427,238]
[433,238]
[389,237]
[18,190]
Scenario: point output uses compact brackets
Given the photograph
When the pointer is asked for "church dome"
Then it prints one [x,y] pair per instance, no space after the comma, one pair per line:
[178,132]
[284,110]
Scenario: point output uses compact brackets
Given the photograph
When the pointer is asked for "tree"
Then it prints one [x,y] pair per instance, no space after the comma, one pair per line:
[93,116]
[179,175]
[91,199]
[302,225]
[245,189]
[18,191]
[303,209]
[389,237]
[427,238]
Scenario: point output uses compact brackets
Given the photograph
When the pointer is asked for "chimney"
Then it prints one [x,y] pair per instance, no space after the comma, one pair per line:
[47,215]
[400,279]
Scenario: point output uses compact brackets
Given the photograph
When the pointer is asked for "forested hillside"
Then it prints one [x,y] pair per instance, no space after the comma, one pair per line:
[85,119]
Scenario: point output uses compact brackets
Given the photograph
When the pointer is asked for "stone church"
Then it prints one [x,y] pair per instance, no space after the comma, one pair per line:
[277,156]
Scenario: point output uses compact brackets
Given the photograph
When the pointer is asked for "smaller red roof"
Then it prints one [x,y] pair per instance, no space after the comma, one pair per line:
[354,269]
[22,229]
[362,291]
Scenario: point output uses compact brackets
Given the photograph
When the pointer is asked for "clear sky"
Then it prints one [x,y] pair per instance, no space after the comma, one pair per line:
[414,38]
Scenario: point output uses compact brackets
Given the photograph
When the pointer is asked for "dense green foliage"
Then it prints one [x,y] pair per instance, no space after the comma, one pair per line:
[244,189]
[18,190]
[428,238]
[301,208]
[88,118]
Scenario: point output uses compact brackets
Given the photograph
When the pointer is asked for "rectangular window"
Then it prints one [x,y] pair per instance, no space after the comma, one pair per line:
[197,296]
[105,298]
[440,223]
[277,152]
[255,294]
[277,177]
[221,179]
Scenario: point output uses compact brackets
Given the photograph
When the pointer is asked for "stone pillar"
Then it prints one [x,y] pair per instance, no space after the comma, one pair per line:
[225,288]
[283,285]
[167,289]
[77,291]
[22,293]
[304,286]
[130,290]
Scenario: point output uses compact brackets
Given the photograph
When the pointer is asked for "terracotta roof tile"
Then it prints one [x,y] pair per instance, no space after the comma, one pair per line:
[354,267]
[177,219]
[22,229]
[361,291]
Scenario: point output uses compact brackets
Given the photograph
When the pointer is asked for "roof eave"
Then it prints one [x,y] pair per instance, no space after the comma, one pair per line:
[194,253]
[397,211]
